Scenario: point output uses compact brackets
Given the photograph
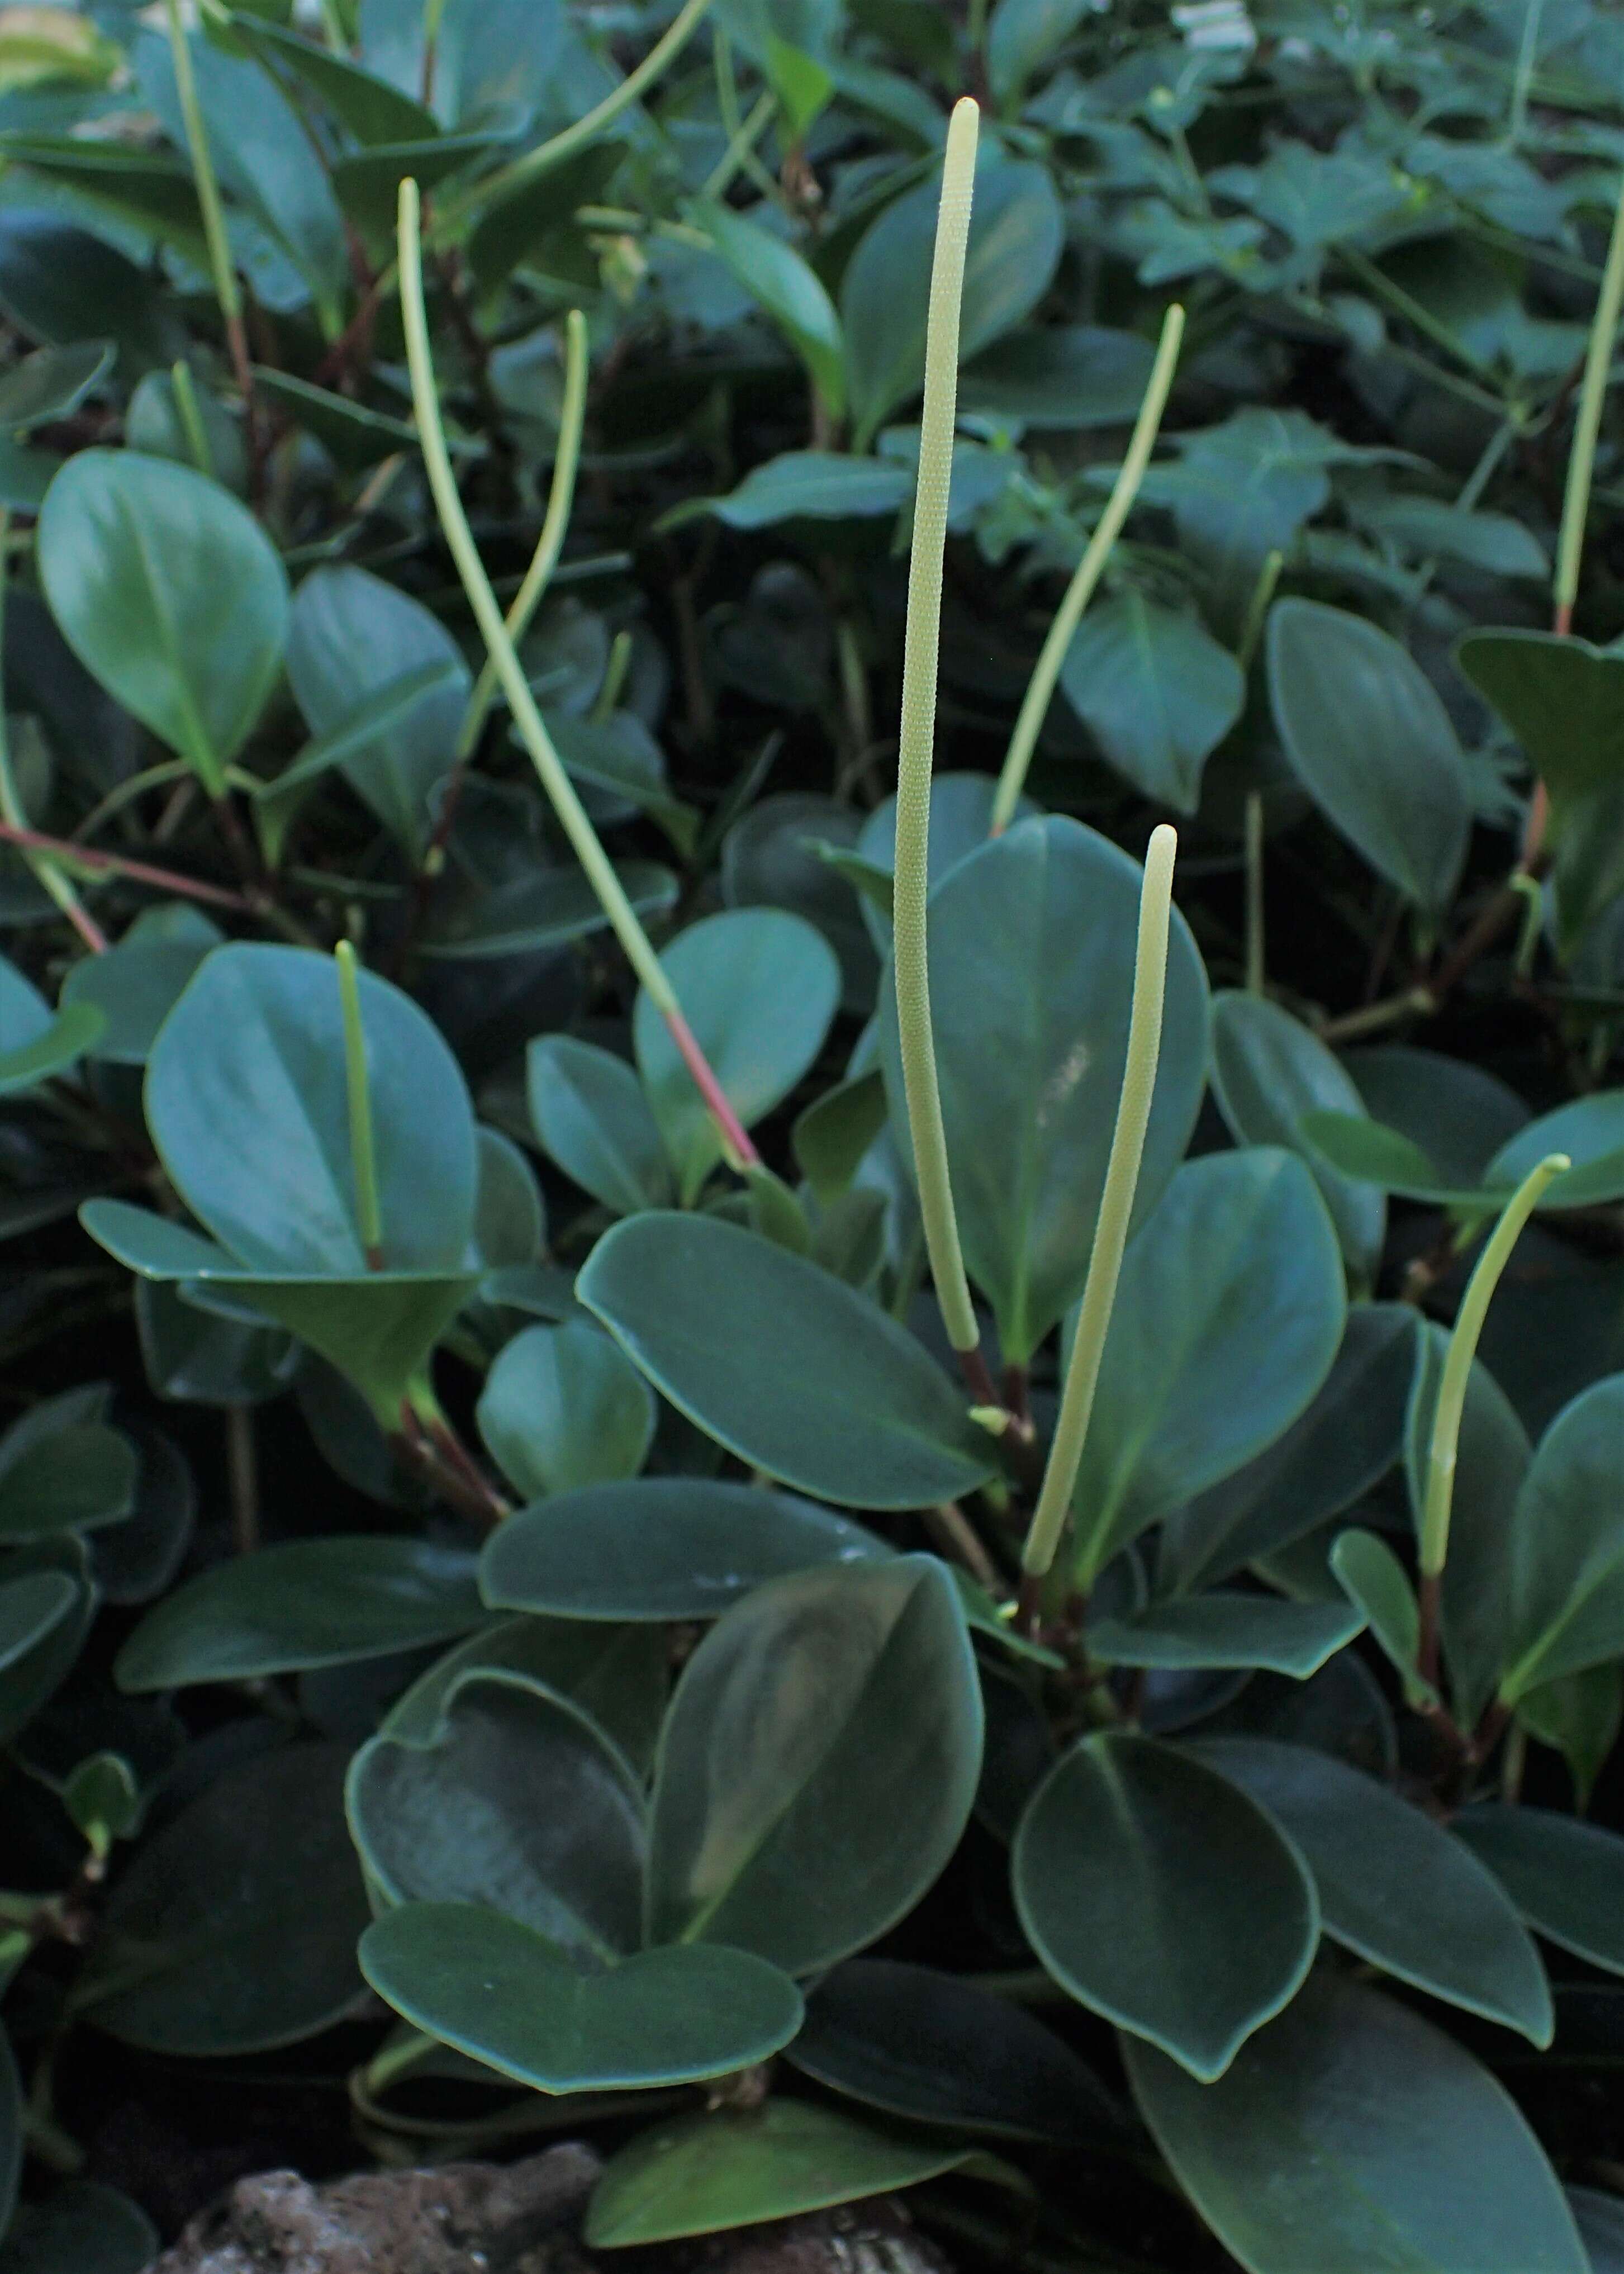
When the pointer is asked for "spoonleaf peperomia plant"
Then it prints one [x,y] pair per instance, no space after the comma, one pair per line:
[813,973]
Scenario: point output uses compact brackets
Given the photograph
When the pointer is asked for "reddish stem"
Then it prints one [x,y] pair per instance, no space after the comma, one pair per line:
[114,865]
[734,1135]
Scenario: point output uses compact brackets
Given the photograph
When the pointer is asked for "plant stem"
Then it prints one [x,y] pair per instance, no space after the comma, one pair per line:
[114,864]
[916,740]
[362,1151]
[189,411]
[614,678]
[521,171]
[742,146]
[510,673]
[1587,425]
[1040,686]
[226,289]
[1255,962]
[1258,608]
[14,821]
[1443,1449]
[1110,1238]
[1414,1003]
[243,1473]
[1516,124]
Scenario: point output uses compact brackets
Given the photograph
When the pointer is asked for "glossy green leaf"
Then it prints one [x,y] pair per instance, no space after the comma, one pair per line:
[370,107]
[960,824]
[1344,1441]
[495,1989]
[1372,1577]
[247,1104]
[73,1479]
[170,594]
[1162,1898]
[813,485]
[1354,1146]
[368,181]
[661,1548]
[307,1603]
[1459,1114]
[563,1407]
[61,284]
[935,2049]
[834,1714]
[617,1676]
[138,983]
[518,1803]
[1064,377]
[1579,1716]
[1016,231]
[1565,1876]
[1229,1316]
[82,2228]
[350,637]
[1227,1629]
[1351,2134]
[593,1119]
[30,1607]
[1023,36]
[51,382]
[1566,1608]
[137,187]
[354,435]
[781,283]
[782,1364]
[44,1643]
[1396,1887]
[1562,698]
[234,1930]
[1155,690]
[1032,943]
[703,2174]
[1373,745]
[835,1130]
[1269,1070]
[1591,1131]
[73,1032]
[759,988]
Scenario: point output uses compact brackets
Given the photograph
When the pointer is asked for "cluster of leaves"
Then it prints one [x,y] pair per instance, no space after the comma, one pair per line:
[490,1527]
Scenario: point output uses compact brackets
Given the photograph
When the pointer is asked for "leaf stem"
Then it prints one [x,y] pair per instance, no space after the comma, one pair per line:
[1443,1446]
[1040,686]
[362,1150]
[190,412]
[916,741]
[1587,425]
[1256,964]
[224,274]
[1110,1238]
[510,674]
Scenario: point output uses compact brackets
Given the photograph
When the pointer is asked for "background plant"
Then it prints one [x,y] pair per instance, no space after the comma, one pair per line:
[486,1496]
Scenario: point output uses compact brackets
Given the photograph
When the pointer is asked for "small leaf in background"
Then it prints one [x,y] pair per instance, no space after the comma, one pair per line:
[1562,698]
[1396,1887]
[1227,1629]
[1565,1877]
[138,983]
[616,1675]
[1269,1070]
[1579,1716]
[699,2174]
[1024,35]
[496,1990]
[1155,690]
[30,1607]
[84,2226]
[1372,742]
[780,281]
[306,1603]
[782,1364]
[51,382]
[759,988]
[1307,2152]
[234,1930]
[661,1548]
[813,486]
[1459,1114]
[834,1715]
[1229,1316]
[562,1408]
[1566,1607]
[170,594]
[1162,1898]
[1371,1574]
[518,1803]
[1032,947]
[593,1119]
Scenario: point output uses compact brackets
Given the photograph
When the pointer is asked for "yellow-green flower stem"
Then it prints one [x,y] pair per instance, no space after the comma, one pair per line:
[1040,686]
[1443,1449]
[510,674]
[915,745]
[47,874]
[1110,1238]
[554,526]
[1587,425]
[220,262]
[189,410]
[1251,634]
[362,1150]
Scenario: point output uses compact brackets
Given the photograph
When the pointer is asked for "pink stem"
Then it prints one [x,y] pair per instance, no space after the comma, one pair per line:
[733,1131]
[114,865]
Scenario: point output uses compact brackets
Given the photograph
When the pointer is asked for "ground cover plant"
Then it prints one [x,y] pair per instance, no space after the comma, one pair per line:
[811,1143]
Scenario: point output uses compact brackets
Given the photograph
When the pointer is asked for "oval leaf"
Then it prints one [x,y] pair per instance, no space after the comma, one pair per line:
[563,1407]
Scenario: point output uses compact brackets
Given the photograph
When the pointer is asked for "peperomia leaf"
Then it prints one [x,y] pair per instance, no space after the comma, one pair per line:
[1565,1877]
[832,1715]
[1566,1608]
[593,1119]
[1155,690]
[1031,946]
[563,1407]
[780,281]
[170,594]
[1562,698]
[1226,1629]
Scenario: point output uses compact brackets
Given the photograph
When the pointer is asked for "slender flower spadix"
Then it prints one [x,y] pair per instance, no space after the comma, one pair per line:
[1587,425]
[1110,1236]
[362,1150]
[1081,591]
[916,747]
[510,674]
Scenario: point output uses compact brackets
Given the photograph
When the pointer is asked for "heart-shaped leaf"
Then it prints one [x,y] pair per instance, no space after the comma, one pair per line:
[1032,947]
[783,1364]
[1155,690]
[661,1548]
[1228,1316]
[519,1803]
[833,1714]
[1161,1897]
[1566,1608]
[170,594]
[562,1408]
[307,1603]
[1305,2153]
[498,1990]
[1562,698]
[1394,1887]
[1372,742]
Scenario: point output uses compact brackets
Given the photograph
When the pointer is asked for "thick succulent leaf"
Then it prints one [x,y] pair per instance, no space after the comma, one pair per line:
[563,1408]
[1565,1876]
[1567,1590]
